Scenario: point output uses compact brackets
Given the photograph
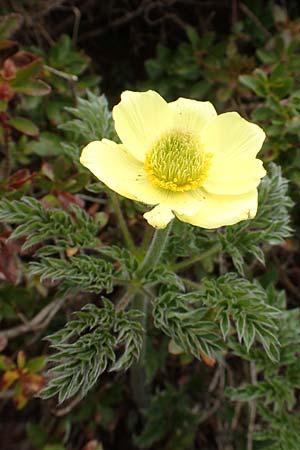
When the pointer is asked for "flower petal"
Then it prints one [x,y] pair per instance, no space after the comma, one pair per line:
[220,210]
[229,135]
[234,142]
[159,217]
[188,202]
[234,177]
[191,115]
[115,167]
[119,170]
[140,118]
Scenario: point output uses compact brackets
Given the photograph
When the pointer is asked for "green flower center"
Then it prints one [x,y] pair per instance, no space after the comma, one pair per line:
[176,162]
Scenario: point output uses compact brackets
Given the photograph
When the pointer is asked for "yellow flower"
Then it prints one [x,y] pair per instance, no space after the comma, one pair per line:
[181,157]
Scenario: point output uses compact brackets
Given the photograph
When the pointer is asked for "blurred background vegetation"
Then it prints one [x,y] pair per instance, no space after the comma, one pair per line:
[242,56]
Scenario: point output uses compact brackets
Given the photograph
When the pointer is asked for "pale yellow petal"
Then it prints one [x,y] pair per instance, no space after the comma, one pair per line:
[188,202]
[234,142]
[234,176]
[140,118]
[230,136]
[220,210]
[159,217]
[120,171]
[191,115]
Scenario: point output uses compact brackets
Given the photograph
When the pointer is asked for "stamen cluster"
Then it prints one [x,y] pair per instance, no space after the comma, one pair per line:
[177,162]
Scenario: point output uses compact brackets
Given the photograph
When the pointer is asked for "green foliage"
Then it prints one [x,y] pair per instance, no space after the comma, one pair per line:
[200,68]
[128,262]
[247,237]
[62,56]
[169,414]
[194,320]
[238,302]
[227,317]
[189,326]
[276,389]
[9,24]
[284,434]
[161,275]
[186,240]
[92,120]
[83,273]
[87,345]
[38,224]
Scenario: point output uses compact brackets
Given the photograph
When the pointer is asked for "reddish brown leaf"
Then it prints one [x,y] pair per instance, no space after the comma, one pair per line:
[3,343]
[210,362]
[31,383]
[8,70]
[9,266]
[6,92]
[22,65]
[8,378]
[19,178]
[68,199]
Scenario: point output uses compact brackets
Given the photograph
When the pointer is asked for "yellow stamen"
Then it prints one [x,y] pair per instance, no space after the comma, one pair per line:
[177,162]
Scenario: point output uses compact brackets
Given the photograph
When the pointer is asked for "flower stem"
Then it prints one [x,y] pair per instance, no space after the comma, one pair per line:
[148,234]
[197,258]
[138,377]
[122,222]
[140,302]
[155,250]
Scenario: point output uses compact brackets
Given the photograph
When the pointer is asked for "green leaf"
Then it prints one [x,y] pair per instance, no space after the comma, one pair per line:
[28,71]
[169,414]
[36,434]
[24,126]
[244,305]
[87,346]
[48,144]
[60,51]
[193,37]
[92,120]
[36,364]
[254,83]
[186,323]
[38,224]
[247,237]
[79,273]
[9,24]
[160,274]
[262,113]
[33,87]
[3,363]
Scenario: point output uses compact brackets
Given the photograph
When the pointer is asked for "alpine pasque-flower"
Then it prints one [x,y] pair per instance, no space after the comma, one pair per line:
[181,157]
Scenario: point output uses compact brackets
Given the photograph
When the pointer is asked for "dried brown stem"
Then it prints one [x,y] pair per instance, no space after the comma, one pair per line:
[40,321]
[60,412]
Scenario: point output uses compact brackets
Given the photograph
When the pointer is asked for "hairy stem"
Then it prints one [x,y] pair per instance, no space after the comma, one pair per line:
[197,258]
[140,302]
[127,298]
[126,234]
[137,372]
[155,251]
[252,409]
